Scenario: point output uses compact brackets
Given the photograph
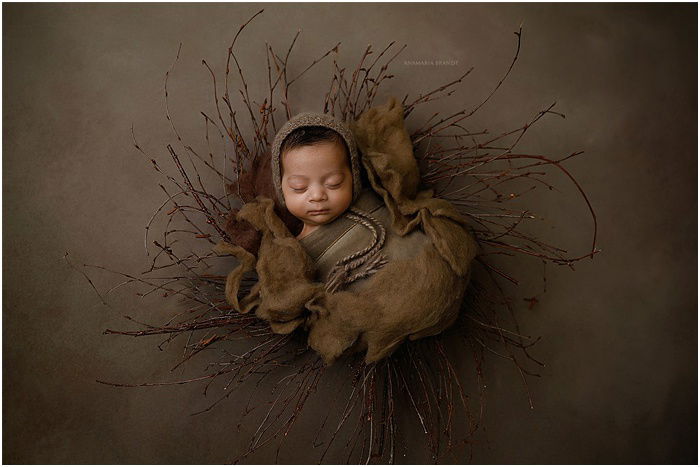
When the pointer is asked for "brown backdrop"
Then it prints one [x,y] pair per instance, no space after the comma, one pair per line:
[619,333]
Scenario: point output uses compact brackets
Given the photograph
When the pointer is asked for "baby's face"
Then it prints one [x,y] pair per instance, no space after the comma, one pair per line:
[316,183]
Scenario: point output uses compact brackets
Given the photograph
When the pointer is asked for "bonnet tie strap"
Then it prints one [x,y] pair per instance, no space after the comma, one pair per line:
[362,263]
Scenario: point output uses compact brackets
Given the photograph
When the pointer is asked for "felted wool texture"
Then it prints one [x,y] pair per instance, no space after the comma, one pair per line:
[407,299]
[412,299]
[284,271]
[314,119]
[387,156]
[233,279]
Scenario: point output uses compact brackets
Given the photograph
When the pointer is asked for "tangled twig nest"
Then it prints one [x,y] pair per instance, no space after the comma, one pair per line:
[474,169]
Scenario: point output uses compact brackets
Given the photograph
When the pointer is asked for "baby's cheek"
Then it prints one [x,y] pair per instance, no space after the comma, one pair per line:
[298,205]
[344,199]
[292,203]
[342,203]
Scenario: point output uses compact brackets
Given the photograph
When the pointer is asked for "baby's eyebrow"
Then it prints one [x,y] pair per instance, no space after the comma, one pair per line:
[301,177]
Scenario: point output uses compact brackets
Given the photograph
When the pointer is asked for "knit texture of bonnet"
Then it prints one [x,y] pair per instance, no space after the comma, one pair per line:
[314,119]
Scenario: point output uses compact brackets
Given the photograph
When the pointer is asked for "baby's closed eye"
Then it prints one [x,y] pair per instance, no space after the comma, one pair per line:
[335,181]
[297,185]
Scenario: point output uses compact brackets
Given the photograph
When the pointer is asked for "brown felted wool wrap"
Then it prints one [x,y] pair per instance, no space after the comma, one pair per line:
[387,156]
[314,119]
[416,294]
[284,269]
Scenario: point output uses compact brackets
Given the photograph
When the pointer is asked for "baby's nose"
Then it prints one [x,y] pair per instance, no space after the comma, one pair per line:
[317,194]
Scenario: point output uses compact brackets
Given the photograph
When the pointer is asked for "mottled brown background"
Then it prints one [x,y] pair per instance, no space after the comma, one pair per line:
[619,333]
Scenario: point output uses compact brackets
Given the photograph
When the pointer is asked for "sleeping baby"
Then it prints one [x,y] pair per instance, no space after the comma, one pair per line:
[376,260]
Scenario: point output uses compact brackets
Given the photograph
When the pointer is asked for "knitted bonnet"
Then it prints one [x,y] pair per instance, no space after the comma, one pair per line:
[314,119]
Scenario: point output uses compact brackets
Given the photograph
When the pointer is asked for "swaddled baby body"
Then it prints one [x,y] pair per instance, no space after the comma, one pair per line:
[318,187]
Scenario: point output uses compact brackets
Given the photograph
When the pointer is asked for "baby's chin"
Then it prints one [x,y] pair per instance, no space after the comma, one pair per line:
[311,223]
